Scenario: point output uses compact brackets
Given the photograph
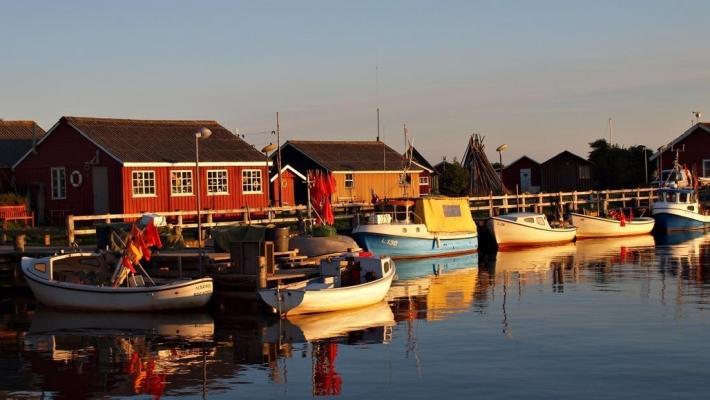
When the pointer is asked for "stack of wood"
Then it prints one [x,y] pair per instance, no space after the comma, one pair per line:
[483,178]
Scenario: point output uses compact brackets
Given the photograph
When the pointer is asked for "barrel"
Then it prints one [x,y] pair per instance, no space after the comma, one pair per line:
[280,238]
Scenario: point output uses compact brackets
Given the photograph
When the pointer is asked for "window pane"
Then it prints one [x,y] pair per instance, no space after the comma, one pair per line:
[181,182]
[251,181]
[217,182]
[143,183]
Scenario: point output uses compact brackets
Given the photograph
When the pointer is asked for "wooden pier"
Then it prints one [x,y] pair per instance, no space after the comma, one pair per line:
[78,225]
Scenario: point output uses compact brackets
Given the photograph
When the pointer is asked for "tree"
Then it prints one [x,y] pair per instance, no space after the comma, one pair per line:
[453,180]
[616,166]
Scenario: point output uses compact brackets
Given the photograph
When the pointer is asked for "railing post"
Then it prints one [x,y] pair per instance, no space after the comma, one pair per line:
[574,201]
[179,220]
[70,229]
[490,204]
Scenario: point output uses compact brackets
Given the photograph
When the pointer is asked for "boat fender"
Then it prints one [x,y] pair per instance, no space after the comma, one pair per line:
[75,178]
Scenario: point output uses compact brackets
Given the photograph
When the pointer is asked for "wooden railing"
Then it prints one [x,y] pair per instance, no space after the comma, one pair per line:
[640,197]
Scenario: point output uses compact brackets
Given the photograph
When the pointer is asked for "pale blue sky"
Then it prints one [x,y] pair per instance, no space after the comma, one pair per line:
[541,76]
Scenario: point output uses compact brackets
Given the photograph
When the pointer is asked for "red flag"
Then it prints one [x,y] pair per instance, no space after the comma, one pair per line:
[152,237]
[126,262]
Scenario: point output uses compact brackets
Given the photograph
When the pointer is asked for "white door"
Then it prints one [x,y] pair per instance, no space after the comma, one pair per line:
[525,179]
[99,182]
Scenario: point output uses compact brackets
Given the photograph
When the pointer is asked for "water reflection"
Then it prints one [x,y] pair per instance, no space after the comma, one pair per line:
[465,311]
[80,355]
[433,288]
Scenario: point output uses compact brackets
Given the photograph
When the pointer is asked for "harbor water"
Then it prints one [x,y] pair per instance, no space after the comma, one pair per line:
[597,319]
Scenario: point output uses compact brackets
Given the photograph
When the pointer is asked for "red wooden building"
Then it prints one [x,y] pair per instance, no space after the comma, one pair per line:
[692,147]
[100,165]
[428,178]
[523,173]
[293,187]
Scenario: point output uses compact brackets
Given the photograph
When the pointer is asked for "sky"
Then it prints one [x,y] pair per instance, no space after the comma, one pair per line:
[540,76]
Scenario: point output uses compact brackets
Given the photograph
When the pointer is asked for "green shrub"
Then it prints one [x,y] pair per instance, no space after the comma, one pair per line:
[11,199]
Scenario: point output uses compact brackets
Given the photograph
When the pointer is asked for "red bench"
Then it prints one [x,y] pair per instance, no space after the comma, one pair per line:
[16,213]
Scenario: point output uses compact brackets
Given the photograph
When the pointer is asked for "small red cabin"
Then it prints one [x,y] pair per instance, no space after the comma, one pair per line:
[293,187]
[101,165]
[523,173]
[692,148]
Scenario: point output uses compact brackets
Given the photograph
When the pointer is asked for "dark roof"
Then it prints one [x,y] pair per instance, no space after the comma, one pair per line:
[350,155]
[566,154]
[521,159]
[419,159]
[132,140]
[16,140]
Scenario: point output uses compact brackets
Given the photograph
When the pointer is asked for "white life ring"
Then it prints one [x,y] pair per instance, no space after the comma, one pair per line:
[75,178]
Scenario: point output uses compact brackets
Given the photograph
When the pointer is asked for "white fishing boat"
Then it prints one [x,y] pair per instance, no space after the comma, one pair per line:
[527,229]
[345,282]
[616,224]
[82,281]
[436,226]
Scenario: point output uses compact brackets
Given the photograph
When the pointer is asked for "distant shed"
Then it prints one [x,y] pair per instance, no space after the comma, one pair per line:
[567,172]
[523,173]
[16,138]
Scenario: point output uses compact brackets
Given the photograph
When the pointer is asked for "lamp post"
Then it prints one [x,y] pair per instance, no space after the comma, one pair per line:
[203,133]
[266,150]
[500,149]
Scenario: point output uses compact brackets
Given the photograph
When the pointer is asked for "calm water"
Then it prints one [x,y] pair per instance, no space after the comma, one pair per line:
[614,318]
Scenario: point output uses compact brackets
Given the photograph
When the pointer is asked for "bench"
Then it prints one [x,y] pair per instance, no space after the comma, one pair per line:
[16,213]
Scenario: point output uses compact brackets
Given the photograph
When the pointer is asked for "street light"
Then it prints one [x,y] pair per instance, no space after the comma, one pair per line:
[203,134]
[266,150]
[500,149]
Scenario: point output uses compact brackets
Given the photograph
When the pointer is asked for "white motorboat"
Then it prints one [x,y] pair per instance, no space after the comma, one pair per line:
[680,210]
[345,282]
[589,226]
[527,229]
[81,281]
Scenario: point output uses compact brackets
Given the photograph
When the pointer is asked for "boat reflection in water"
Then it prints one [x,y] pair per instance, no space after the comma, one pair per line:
[325,332]
[82,355]
[433,288]
[683,254]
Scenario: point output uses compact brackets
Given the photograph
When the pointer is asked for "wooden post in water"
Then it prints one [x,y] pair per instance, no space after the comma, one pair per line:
[262,272]
[20,242]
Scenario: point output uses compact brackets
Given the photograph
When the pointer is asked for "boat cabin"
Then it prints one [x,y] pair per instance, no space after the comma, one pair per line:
[394,211]
[530,219]
[679,197]
[349,271]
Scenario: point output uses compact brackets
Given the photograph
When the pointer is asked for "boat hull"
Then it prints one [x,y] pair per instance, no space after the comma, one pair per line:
[510,234]
[400,246]
[676,221]
[595,227]
[70,296]
[295,302]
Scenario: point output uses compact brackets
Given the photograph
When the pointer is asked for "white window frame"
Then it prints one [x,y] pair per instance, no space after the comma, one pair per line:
[706,168]
[143,187]
[58,185]
[349,181]
[182,178]
[211,185]
[244,181]
[424,180]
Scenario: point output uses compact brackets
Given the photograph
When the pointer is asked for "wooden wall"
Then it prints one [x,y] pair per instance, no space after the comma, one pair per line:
[385,185]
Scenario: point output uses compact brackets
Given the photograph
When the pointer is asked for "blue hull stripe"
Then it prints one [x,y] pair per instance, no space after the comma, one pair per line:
[400,246]
[671,222]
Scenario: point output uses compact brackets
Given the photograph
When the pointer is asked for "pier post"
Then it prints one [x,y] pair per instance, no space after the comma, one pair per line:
[505,203]
[20,242]
[70,229]
[490,204]
[262,272]
[47,240]
[574,201]
[605,204]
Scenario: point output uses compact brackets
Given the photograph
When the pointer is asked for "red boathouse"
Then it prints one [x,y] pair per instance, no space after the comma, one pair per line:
[102,165]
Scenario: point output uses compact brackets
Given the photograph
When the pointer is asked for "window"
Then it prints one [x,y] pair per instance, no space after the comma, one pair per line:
[540,221]
[251,181]
[452,211]
[59,183]
[143,183]
[706,168]
[584,172]
[424,180]
[529,220]
[181,183]
[217,182]
[349,181]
